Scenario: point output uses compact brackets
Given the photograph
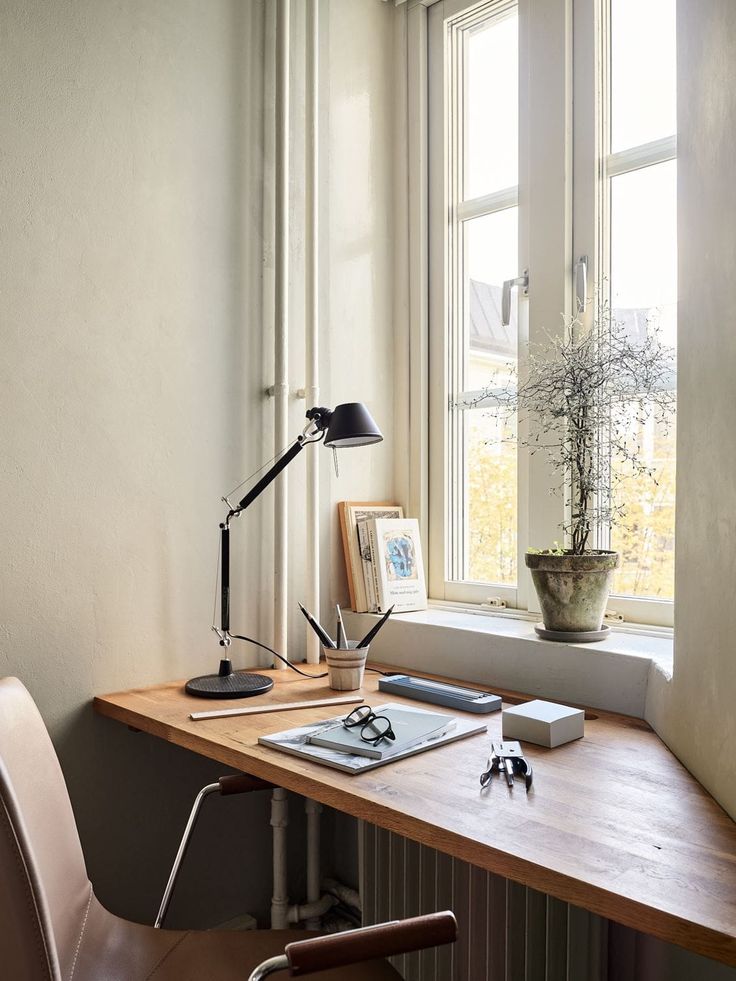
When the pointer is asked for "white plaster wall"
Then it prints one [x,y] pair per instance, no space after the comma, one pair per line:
[130,376]
[136,349]
[357,250]
[694,713]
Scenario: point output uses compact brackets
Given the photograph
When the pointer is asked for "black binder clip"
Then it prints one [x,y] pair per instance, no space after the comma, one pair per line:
[507,758]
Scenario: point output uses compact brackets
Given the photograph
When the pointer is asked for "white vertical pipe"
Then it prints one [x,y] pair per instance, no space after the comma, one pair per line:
[281,328]
[312,314]
[279,823]
[313,809]
[268,319]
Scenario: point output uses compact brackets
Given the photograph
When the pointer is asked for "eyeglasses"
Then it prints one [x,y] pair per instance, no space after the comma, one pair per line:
[373,728]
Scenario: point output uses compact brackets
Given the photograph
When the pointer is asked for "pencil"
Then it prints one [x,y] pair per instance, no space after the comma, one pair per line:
[342,637]
[375,628]
[327,641]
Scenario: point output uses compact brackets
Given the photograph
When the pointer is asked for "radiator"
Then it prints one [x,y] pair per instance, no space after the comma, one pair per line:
[507,932]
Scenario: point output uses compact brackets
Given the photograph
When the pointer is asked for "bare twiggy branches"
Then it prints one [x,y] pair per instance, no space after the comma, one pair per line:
[587,397]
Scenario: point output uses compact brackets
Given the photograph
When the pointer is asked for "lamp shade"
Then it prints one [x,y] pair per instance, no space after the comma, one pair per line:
[351,424]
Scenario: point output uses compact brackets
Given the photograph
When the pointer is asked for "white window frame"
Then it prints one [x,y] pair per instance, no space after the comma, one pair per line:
[447,47]
[546,53]
[594,165]
[545,44]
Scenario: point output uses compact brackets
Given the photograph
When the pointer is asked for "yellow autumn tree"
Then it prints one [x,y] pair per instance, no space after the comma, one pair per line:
[492,507]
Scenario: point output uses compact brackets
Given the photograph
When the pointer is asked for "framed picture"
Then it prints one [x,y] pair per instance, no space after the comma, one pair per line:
[352,512]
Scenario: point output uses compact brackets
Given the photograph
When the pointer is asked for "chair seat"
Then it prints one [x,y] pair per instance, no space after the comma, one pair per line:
[52,928]
[113,949]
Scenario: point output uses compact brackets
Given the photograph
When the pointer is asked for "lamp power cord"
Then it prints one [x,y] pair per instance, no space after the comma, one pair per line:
[304,674]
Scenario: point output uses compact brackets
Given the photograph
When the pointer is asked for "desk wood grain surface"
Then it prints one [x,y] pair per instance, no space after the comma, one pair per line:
[614,823]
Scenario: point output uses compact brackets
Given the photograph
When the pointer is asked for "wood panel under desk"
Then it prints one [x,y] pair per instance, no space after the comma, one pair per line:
[614,823]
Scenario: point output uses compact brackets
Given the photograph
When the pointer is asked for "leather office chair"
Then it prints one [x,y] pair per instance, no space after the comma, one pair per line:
[52,928]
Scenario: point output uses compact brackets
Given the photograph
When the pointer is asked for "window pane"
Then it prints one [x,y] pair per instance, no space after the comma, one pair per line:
[491,152]
[644,295]
[645,536]
[490,469]
[643,64]
[491,497]
[491,256]
[644,249]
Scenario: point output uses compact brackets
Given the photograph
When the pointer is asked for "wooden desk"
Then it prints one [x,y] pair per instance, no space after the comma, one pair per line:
[614,823]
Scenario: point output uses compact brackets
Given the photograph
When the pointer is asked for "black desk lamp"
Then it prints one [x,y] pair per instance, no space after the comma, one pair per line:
[350,424]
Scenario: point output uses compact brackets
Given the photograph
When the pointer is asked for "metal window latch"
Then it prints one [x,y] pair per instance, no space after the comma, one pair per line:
[523,282]
[581,284]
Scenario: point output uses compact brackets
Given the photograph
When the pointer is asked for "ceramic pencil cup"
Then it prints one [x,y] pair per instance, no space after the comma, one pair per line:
[346,666]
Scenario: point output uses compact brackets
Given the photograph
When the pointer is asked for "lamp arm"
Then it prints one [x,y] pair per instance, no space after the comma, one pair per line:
[314,431]
[270,476]
[256,491]
[225,582]
[319,418]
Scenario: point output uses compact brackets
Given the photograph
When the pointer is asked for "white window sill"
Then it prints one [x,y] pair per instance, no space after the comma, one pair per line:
[503,650]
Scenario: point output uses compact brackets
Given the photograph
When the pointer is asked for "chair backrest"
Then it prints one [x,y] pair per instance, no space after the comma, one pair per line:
[44,888]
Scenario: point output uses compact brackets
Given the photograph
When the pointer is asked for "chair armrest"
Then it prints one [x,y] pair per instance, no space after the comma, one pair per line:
[237,783]
[369,943]
[241,783]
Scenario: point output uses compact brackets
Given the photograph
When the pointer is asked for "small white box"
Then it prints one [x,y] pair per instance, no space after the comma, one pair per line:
[543,723]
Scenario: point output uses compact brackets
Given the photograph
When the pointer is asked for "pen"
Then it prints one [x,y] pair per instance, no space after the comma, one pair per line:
[342,637]
[327,641]
[375,628]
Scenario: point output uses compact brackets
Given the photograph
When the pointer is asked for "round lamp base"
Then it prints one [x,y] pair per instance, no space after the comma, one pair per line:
[238,684]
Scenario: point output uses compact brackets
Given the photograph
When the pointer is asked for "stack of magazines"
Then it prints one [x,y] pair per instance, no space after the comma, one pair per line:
[329,742]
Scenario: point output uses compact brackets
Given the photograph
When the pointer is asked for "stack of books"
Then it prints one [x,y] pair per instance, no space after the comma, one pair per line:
[383,557]
[329,742]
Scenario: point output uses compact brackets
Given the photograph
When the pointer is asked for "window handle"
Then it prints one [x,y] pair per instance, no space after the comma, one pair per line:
[581,284]
[522,281]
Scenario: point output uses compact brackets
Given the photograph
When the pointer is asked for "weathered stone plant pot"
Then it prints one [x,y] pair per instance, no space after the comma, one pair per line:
[572,589]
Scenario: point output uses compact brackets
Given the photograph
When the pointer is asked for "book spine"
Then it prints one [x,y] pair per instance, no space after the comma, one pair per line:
[376,557]
[356,563]
[345,530]
[365,555]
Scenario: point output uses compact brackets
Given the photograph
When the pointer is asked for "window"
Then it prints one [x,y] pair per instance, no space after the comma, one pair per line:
[519,180]
[630,234]
[482,181]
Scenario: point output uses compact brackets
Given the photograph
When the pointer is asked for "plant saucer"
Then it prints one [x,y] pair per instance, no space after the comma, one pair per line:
[572,636]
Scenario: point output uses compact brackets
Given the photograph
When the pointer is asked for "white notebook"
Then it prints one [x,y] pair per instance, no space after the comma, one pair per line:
[296,742]
[410,726]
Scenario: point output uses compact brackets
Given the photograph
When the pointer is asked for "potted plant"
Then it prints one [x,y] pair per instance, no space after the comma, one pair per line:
[579,394]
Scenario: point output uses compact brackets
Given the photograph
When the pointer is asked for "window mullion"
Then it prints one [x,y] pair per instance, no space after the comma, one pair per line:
[546,188]
[488,203]
[646,155]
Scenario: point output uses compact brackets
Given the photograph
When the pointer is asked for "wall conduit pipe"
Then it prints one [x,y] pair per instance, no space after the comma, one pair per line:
[313,810]
[279,823]
[310,913]
[344,893]
[281,328]
[311,305]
